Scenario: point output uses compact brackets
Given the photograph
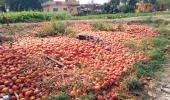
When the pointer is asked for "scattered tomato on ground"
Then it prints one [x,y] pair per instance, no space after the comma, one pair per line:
[88,66]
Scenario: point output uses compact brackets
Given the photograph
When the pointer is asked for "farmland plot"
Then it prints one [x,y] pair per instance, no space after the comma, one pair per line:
[90,65]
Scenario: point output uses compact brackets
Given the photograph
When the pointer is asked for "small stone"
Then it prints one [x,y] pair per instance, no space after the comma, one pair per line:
[151,94]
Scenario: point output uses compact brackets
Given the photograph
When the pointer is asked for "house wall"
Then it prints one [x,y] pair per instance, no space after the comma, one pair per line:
[50,8]
[73,10]
[71,7]
[143,8]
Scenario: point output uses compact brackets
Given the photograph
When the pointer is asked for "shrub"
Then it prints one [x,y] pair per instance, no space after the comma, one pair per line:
[57,28]
[103,26]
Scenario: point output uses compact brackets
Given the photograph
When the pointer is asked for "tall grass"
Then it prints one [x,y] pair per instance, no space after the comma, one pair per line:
[57,28]
[103,26]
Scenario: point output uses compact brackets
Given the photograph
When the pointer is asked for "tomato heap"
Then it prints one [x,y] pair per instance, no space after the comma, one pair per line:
[88,66]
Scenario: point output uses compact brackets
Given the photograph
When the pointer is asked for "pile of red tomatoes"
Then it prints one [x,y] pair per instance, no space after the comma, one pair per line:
[88,66]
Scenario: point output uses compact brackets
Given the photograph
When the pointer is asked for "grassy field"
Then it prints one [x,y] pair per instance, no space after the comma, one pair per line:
[15,17]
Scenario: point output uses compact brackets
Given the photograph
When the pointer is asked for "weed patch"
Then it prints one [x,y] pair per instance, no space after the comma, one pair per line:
[57,28]
[103,26]
[156,58]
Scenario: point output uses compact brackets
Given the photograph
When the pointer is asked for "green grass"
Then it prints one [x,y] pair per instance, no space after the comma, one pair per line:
[156,58]
[156,53]
[103,26]
[30,16]
[118,15]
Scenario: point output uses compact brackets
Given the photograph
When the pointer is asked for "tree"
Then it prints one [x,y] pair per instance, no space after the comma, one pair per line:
[111,6]
[22,5]
[164,3]
[2,5]
[132,4]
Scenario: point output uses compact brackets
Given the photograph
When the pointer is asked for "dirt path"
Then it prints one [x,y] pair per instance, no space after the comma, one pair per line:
[160,84]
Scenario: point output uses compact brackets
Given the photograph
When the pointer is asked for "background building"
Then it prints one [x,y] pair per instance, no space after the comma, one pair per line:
[86,9]
[69,6]
[143,7]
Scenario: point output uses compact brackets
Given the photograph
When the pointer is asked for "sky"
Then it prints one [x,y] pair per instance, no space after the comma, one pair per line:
[88,1]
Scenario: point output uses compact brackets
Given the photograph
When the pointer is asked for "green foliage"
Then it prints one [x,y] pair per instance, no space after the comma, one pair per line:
[163,29]
[158,42]
[132,4]
[124,9]
[2,4]
[111,6]
[24,5]
[157,54]
[15,17]
[59,27]
[164,3]
[135,86]
[156,58]
[30,16]
[103,26]
[145,70]
[64,96]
